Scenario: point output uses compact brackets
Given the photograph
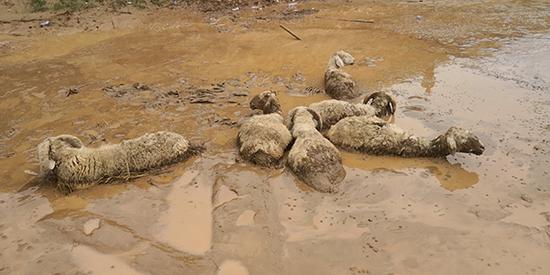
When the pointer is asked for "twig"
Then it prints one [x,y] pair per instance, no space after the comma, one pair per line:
[348,20]
[21,20]
[358,20]
[290,32]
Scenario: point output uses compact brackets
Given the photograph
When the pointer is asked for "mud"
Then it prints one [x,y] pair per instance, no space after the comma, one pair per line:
[477,65]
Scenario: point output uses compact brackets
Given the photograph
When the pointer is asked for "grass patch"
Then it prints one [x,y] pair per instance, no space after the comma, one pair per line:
[38,5]
[78,5]
[73,5]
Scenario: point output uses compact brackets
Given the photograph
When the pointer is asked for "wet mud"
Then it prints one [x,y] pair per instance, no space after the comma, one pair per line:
[193,73]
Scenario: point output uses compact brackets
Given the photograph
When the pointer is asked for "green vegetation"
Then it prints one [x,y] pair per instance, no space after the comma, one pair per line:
[38,5]
[160,3]
[77,5]
[73,5]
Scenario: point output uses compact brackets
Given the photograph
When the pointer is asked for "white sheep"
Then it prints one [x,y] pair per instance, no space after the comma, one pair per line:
[263,139]
[331,111]
[375,136]
[76,166]
[312,157]
[338,84]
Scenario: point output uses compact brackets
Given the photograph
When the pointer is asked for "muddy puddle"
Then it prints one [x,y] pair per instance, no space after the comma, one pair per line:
[214,214]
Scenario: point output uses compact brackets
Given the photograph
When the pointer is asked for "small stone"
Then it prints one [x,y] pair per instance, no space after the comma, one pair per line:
[91,225]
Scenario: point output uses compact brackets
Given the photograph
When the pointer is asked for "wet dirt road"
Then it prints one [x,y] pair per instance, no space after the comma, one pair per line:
[212,214]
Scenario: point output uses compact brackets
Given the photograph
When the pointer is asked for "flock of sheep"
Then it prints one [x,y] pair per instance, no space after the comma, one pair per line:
[310,136]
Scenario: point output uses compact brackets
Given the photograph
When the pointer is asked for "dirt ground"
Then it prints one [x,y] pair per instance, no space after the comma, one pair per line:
[481,65]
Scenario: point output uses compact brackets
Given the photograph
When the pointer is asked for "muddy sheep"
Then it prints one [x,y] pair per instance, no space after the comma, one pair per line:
[75,166]
[263,138]
[331,111]
[338,84]
[312,158]
[375,136]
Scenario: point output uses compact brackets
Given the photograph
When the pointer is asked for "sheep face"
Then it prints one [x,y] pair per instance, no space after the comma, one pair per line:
[344,58]
[383,103]
[266,101]
[461,140]
[48,150]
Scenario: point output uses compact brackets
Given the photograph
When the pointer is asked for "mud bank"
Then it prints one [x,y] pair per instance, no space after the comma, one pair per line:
[215,215]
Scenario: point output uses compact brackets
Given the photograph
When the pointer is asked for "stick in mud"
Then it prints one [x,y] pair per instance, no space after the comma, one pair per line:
[348,20]
[290,32]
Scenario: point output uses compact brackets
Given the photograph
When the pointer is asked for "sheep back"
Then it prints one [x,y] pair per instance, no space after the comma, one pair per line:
[332,111]
[154,150]
[78,166]
[315,160]
[339,85]
[317,163]
[263,139]
[374,136]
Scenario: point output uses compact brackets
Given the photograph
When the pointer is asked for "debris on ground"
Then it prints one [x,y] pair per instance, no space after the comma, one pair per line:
[45,23]
[91,225]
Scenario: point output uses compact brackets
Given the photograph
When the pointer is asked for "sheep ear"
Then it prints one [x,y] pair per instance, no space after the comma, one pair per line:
[71,140]
[339,62]
[452,144]
[44,155]
[317,117]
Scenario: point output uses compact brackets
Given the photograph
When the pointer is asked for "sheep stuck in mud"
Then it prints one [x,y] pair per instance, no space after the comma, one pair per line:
[76,166]
[331,111]
[312,157]
[338,84]
[375,136]
[263,139]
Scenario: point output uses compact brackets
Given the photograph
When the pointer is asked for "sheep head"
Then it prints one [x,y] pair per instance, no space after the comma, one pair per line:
[461,140]
[382,102]
[340,59]
[316,117]
[48,150]
[266,101]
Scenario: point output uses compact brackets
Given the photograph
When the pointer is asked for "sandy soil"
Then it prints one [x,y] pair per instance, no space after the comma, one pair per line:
[481,65]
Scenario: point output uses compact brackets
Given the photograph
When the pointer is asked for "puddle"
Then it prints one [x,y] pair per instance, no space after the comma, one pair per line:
[246,218]
[187,224]
[460,214]
[450,176]
[91,261]
[232,267]
[224,195]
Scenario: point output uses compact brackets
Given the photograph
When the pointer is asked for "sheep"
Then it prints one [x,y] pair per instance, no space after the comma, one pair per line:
[338,84]
[312,158]
[76,166]
[377,104]
[375,136]
[263,139]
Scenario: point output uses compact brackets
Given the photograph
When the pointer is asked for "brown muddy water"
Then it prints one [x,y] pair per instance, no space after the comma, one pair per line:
[215,214]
